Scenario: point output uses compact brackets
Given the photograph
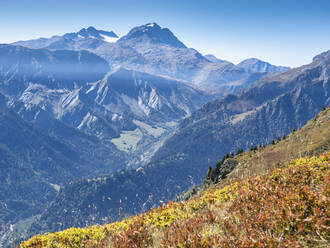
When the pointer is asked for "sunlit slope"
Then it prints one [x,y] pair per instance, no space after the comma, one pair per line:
[288,207]
[312,139]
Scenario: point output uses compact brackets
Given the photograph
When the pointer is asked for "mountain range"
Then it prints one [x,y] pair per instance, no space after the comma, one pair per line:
[269,109]
[156,50]
[106,126]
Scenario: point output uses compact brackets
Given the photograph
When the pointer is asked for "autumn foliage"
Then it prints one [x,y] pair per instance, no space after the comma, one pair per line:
[288,207]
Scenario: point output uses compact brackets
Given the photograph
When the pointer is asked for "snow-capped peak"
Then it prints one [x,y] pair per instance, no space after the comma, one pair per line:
[152,33]
[93,33]
[151,25]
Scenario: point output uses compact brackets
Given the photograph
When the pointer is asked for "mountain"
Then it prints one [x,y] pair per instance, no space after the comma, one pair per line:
[164,57]
[266,173]
[92,33]
[133,110]
[146,107]
[151,33]
[65,116]
[67,41]
[22,66]
[256,65]
[265,111]
[43,86]
[35,163]
[214,59]
[155,50]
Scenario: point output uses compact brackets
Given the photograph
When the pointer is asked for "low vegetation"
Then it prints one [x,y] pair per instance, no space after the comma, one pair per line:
[311,140]
[287,207]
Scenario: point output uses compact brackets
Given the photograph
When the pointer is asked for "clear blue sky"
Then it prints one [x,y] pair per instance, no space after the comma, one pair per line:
[282,32]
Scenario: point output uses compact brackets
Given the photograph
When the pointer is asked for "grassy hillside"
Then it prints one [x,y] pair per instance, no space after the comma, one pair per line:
[258,205]
[288,207]
[312,139]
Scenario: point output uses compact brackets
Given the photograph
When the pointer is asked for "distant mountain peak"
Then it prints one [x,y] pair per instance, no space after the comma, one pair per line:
[257,65]
[252,60]
[214,59]
[92,33]
[153,33]
[91,28]
[322,56]
[152,25]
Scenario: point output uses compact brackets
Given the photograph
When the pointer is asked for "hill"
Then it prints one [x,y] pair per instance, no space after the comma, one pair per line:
[283,204]
[311,140]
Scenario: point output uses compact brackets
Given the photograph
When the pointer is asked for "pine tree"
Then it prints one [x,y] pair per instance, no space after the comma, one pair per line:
[208,178]
[239,151]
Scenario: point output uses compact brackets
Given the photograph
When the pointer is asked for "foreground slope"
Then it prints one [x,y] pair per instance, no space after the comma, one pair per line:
[287,206]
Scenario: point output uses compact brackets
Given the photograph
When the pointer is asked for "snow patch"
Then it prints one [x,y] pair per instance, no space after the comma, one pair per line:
[109,38]
[93,86]
[143,107]
[87,121]
[116,117]
[154,101]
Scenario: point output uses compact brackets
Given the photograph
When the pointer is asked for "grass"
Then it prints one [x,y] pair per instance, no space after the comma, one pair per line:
[128,140]
[287,207]
[312,139]
[156,132]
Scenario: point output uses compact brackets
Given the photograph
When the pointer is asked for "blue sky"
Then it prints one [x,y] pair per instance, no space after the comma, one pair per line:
[287,32]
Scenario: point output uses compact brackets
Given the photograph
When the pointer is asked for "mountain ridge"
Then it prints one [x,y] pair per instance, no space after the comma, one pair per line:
[126,107]
[156,50]
[257,65]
